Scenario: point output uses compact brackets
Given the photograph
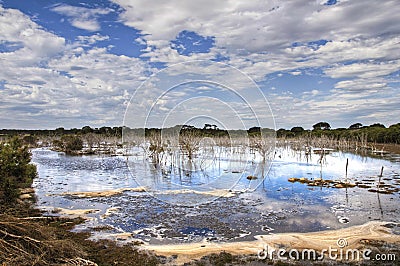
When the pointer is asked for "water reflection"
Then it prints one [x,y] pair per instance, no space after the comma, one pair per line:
[275,206]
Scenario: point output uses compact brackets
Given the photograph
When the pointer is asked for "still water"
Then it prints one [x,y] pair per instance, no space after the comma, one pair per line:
[273,205]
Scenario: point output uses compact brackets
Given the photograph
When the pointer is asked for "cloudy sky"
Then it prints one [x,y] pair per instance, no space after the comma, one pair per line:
[76,63]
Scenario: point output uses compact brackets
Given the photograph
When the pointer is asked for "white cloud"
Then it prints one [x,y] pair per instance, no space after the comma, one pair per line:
[36,44]
[47,83]
[82,17]
[82,87]
[257,35]
[90,84]
[102,83]
[312,92]
[340,108]
[92,39]
[259,25]
[363,70]
[361,84]
[295,73]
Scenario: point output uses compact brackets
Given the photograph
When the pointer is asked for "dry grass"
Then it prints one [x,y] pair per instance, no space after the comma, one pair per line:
[26,241]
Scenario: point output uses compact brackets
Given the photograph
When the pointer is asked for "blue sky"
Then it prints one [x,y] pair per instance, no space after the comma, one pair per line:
[77,63]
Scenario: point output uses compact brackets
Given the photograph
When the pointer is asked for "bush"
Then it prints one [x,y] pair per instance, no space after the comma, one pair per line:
[15,169]
[72,143]
[69,143]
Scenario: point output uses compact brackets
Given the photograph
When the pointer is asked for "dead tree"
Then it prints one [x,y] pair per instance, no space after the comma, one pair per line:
[189,142]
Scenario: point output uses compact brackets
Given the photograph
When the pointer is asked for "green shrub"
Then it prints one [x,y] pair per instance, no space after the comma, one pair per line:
[15,169]
[69,143]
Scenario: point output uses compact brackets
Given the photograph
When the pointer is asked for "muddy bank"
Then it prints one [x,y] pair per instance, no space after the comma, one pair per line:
[354,237]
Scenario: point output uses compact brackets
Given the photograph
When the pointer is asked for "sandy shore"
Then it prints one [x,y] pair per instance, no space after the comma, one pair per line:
[76,212]
[104,193]
[316,240]
[216,192]
[108,193]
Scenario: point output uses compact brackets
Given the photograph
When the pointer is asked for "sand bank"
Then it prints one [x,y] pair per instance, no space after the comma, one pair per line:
[316,240]
[108,193]
[226,193]
[104,193]
[76,212]
[120,238]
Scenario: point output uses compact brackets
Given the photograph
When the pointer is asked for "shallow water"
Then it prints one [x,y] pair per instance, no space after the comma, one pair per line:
[275,205]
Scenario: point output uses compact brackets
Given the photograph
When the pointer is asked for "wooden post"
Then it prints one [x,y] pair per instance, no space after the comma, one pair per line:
[347,166]
[379,181]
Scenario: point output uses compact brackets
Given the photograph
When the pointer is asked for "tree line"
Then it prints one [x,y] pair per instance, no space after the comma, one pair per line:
[111,131]
[377,132]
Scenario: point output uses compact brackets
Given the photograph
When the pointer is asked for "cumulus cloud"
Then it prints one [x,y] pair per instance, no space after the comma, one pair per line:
[92,39]
[340,108]
[295,73]
[79,88]
[359,43]
[363,70]
[46,83]
[361,84]
[82,17]
[258,37]
[258,25]
[35,44]
[352,43]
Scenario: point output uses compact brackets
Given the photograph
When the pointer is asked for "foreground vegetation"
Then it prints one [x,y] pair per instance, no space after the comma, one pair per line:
[16,171]
[49,242]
